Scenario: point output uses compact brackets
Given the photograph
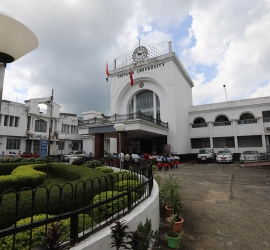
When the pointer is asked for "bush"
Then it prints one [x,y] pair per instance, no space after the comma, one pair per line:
[4,160]
[81,189]
[126,185]
[105,170]
[23,238]
[32,159]
[15,159]
[93,164]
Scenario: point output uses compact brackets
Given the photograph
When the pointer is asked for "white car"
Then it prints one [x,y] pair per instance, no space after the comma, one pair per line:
[249,156]
[224,156]
[206,155]
[80,154]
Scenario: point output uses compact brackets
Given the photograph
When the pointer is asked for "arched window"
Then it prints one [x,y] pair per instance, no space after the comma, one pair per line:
[147,102]
[199,120]
[221,120]
[40,126]
[246,116]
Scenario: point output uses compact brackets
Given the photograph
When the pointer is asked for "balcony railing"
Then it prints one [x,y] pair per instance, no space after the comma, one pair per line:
[121,118]
[200,125]
[226,123]
[267,119]
[247,121]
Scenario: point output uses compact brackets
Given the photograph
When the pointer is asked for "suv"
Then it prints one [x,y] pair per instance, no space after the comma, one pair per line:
[80,154]
[206,155]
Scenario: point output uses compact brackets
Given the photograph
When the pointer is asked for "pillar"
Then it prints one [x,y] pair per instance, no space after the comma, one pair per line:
[99,146]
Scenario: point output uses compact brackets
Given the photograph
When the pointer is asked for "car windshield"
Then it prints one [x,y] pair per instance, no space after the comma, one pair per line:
[224,152]
[250,152]
[205,151]
[70,153]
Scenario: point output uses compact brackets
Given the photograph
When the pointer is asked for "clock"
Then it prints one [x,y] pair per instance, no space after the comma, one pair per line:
[139,54]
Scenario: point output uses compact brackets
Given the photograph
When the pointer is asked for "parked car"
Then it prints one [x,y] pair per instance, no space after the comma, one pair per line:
[224,156]
[249,156]
[206,155]
[80,154]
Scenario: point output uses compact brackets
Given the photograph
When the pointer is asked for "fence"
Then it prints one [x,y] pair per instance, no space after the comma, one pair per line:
[113,204]
[121,118]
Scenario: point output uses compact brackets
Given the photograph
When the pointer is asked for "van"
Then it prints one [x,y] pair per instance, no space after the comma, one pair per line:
[206,155]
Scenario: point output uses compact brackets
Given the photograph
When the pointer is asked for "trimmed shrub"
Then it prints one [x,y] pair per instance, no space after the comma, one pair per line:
[23,238]
[126,185]
[81,189]
[32,159]
[4,160]
[105,170]
[15,159]
[93,164]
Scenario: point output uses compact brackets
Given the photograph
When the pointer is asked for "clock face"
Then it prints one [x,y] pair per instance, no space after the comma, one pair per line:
[139,54]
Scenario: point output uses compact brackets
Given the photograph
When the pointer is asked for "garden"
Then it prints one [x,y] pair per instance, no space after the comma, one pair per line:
[33,197]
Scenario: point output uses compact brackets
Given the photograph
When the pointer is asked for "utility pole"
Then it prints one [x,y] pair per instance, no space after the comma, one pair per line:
[50,131]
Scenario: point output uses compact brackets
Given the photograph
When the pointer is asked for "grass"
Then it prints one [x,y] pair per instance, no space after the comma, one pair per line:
[53,181]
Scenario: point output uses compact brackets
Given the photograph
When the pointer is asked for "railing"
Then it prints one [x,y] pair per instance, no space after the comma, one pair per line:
[78,197]
[200,125]
[247,121]
[121,118]
[267,119]
[226,123]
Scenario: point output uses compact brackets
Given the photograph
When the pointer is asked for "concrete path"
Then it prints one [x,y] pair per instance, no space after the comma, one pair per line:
[226,206]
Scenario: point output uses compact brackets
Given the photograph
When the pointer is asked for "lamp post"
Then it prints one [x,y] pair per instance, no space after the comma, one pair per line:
[119,127]
[225,91]
[16,40]
[61,138]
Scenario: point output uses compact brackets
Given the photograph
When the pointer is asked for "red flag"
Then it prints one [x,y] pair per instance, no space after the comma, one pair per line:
[131,78]
[107,72]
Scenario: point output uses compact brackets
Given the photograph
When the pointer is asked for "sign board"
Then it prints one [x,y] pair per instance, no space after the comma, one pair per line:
[43,148]
[102,129]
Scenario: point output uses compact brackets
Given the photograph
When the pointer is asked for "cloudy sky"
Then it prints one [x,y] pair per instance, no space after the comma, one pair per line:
[223,42]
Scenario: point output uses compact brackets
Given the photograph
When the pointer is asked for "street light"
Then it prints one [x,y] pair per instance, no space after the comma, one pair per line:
[225,91]
[119,127]
[61,138]
[16,40]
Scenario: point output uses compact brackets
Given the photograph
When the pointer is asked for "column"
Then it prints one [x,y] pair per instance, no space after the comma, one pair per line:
[99,146]
[210,125]
[260,119]
[154,105]
[235,124]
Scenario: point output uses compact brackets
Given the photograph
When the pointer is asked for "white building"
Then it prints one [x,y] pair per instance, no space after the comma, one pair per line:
[159,116]
[24,126]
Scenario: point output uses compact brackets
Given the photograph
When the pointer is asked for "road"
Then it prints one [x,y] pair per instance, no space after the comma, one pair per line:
[227,206]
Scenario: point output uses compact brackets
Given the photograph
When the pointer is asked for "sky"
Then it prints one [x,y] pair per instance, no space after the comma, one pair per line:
[223,42]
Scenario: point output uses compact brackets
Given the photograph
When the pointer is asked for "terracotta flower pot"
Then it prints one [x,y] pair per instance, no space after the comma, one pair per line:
[177,225]
[168,210]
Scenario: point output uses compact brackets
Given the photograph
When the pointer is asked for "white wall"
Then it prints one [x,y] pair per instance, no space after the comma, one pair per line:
[147,209]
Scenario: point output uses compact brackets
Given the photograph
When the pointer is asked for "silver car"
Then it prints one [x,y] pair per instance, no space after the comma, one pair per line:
[224,156]
[249,156]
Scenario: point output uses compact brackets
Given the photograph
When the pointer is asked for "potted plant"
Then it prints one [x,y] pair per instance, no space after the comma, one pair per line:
[169,184]
[172,236]
[175,208]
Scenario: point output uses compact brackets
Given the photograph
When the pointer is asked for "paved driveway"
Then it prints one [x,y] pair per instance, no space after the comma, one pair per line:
[226,206]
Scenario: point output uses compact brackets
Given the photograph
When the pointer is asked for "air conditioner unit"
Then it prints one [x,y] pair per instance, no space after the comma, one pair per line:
[267,129]
[70,144]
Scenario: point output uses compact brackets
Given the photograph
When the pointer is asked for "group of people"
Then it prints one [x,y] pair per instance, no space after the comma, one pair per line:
[20,154]
[137,157]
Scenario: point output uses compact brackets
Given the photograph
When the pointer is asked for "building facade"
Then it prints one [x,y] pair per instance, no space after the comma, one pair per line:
[159,115]
[24,126]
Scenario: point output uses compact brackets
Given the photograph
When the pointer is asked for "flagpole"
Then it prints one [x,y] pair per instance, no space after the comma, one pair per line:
[107,98]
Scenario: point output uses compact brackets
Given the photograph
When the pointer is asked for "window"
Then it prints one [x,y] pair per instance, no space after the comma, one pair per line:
[249,141]
[6,120]
[36,146]
[144,103]
[75,145]
[200,143]
[13,143]
[221,142]
[28,122]
[61,145]
[16,124]
[11,119]
[40,126]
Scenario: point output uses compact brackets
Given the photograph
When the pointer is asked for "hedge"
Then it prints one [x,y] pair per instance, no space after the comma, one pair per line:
[72,196]
[23,238]
[7,168]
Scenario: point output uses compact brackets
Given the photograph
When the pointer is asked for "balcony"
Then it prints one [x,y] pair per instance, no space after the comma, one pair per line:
[121,118]
[217,124]
[199,125]
[247,121]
